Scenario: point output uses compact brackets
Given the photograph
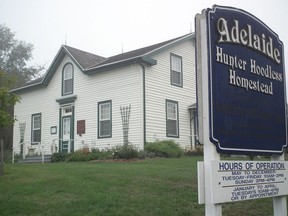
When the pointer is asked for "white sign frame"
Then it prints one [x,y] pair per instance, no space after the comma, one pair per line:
[245,180]
[205,177]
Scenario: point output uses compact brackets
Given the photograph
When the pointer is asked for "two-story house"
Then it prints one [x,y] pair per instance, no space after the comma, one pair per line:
[84,99]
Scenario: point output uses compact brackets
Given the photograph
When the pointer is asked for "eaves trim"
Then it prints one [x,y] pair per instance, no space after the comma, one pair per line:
[116,64]
[168,45]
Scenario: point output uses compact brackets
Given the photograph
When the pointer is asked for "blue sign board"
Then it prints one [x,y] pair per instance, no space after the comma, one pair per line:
[247,99]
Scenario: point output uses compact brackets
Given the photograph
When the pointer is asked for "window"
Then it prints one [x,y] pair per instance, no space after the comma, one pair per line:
[67,79]
[67,111]
[176,70]
[172,122]
[104,119]
[36,128]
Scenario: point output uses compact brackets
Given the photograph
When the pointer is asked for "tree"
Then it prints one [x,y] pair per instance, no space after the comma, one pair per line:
[7,100]
[14,55]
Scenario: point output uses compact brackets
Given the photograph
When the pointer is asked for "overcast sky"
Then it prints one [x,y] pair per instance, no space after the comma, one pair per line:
[103,27]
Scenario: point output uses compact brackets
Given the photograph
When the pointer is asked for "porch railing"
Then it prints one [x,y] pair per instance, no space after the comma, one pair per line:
[39,146]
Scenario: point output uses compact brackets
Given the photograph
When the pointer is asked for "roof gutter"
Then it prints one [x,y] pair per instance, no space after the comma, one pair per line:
[27,88]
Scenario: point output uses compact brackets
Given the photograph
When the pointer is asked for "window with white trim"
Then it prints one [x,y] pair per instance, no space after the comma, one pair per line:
[172,123]
[105,119]
[176,70]
[67,79]
[36,128]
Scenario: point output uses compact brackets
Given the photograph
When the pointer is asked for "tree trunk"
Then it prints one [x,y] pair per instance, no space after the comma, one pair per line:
[2,158]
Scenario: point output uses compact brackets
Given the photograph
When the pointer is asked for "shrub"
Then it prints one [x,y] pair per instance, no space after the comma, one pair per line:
[60,157]
[127,151]
[142,154]
[103,154]
[164,148]
[78,156]
[197,151]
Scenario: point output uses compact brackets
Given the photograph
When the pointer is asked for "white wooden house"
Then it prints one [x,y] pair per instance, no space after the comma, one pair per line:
[79,100]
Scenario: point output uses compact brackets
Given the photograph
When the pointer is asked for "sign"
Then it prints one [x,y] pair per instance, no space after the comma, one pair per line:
[244,180]
[247,99]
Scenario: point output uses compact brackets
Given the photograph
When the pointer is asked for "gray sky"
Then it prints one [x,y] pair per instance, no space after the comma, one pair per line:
[102,26]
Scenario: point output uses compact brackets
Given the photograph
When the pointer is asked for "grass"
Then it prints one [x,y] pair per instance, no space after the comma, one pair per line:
[144,187]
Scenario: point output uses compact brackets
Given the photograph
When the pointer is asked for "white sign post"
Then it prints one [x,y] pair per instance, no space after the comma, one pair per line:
[279,203]
[210,153]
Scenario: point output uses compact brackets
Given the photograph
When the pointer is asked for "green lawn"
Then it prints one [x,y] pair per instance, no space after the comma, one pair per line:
[144,187]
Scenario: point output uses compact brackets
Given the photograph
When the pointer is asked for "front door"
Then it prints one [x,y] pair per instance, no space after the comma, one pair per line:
[66,139]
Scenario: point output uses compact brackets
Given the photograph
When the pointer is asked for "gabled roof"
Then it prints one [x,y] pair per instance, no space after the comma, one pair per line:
[90,63]
[84,59]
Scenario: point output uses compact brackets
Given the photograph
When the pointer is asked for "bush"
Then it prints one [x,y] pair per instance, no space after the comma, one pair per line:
[164,148]
[60,157]
[197,151]
[120,152]
[142,154]
[103,154]
[127,151]
[78,156]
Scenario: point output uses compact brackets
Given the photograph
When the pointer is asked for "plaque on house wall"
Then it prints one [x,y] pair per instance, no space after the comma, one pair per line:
[81,127]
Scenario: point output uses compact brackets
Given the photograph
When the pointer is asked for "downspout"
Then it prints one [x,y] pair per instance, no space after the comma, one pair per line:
[191,133]
[144,103]
[60,131]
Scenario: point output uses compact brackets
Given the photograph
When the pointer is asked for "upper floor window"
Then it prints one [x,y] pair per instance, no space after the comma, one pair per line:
[176,70]
[67,79]
[36,128]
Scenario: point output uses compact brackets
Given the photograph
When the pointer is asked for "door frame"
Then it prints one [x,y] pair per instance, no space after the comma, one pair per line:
[64,114]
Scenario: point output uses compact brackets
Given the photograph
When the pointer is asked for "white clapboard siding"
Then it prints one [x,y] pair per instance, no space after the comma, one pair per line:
[159,88]
[123,87]
[42,100]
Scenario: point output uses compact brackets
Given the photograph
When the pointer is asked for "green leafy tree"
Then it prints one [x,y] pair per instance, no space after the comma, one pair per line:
[14,71]
[7,100]
[14,55]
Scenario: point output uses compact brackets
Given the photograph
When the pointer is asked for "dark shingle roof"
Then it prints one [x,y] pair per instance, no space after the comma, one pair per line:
[90,63]
[135,53]
[31,83]
[84,59]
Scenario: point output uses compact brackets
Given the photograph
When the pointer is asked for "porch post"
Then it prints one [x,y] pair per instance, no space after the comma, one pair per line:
[24,147]
[69,145]
[42,154]
[39,148]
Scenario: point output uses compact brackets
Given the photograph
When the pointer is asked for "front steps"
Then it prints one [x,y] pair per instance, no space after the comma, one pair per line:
[35,159]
